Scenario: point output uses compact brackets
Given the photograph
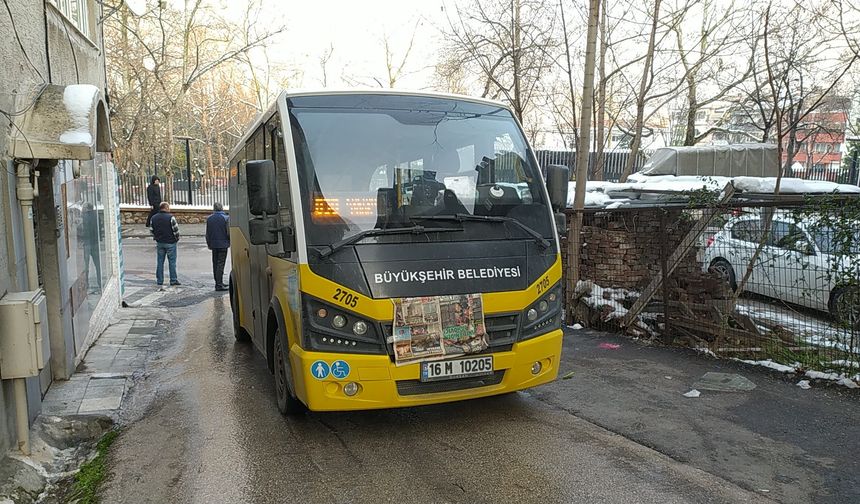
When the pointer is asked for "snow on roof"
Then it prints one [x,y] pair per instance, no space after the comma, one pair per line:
[642,189]
[61,122]
[79,99]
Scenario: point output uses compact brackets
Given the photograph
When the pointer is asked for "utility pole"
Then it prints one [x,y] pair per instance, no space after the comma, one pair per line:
[583,150]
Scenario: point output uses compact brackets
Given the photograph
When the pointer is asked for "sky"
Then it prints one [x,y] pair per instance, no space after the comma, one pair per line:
[355,30]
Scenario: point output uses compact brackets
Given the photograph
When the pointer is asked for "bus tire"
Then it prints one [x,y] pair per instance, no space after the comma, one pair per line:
[288,403]
[239,333]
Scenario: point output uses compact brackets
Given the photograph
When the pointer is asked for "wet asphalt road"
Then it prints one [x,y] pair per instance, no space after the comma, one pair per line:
[205,428]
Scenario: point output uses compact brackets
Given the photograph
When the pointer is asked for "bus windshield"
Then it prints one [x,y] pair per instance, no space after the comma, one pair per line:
[381,161]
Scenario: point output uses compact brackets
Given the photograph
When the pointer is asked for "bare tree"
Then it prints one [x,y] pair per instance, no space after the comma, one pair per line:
[583,151]
[323,61]
[395,65]
[508,43]
[803,66]
[713,60]
[160,57]
[644,85]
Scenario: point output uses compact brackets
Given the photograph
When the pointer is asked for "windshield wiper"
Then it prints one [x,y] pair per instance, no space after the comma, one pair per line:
[461,217]
[334,247]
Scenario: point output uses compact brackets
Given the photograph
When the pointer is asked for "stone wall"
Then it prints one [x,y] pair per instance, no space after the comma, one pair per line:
[34,32]
[623,249]
[183,216]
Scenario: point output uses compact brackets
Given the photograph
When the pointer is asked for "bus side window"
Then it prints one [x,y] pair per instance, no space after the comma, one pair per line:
[283,177]
[277,153]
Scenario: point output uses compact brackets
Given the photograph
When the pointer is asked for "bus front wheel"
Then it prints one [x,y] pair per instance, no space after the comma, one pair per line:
[288,403]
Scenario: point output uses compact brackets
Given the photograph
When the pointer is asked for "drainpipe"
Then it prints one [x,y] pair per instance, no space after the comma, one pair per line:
[25,192]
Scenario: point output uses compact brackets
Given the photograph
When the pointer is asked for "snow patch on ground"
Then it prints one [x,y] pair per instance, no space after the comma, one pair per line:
[600,297]
[706,351]
[782,368]
[812,330]
[838,378]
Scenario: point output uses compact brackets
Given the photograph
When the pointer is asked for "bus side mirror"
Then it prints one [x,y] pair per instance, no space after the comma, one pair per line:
[262,187]
[263,231]
[557,178]
[288,239]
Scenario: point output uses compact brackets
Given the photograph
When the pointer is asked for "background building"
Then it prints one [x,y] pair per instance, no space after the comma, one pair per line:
[55,150]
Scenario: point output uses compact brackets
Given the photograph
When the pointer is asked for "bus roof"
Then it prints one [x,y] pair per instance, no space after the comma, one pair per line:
[289,93]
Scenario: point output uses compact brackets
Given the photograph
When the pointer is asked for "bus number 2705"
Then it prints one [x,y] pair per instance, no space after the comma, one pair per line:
[346,298]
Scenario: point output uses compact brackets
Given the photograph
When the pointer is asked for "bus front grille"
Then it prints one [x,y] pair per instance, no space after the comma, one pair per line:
[416,387]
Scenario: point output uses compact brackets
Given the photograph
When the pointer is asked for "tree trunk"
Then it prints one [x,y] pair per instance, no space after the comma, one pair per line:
[515,58]
[570,89]
[600,139]
[640,100]
[575,238]
[692,110]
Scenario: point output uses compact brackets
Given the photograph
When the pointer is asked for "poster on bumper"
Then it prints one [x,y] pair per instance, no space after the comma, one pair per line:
[430,328]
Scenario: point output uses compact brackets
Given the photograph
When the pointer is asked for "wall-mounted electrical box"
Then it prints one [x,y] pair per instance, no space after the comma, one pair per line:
[24,342]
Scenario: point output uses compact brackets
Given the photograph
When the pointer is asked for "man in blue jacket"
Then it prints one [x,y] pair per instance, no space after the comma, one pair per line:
[218,241]
[166,233]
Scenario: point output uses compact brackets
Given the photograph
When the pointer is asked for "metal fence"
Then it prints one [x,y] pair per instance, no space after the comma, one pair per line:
[800,304]
[613,162]
[205,190]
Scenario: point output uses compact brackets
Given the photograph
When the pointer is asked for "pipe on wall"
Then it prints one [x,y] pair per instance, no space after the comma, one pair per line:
[26,192]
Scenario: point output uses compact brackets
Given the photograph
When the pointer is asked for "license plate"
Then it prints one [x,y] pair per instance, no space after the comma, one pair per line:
[456,368]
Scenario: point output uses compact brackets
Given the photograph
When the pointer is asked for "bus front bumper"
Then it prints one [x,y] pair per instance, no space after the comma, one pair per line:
[381,384]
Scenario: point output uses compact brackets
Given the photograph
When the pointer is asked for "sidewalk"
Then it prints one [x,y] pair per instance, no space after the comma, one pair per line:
[141,231]
[109,367]
[76,413]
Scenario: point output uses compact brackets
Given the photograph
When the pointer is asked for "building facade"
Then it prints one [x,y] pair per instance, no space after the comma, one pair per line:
[820,139]
[58,200]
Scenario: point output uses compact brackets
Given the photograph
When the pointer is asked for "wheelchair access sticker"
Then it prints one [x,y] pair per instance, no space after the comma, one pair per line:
[339,369]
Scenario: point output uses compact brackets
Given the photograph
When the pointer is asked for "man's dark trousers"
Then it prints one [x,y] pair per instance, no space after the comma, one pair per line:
[219,258]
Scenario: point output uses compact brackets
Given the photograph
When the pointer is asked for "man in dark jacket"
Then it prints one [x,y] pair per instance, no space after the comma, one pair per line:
[165,230]
[153,195]
[218,241]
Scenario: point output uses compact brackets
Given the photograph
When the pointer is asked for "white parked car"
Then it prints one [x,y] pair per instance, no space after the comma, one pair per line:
[801,262]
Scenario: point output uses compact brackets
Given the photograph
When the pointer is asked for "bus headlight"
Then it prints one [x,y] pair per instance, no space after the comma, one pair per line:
[544,315]
[329,328]
[350,388]
[338,321]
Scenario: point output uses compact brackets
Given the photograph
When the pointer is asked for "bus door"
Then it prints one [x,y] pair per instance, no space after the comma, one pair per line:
[240,248]
[259,277]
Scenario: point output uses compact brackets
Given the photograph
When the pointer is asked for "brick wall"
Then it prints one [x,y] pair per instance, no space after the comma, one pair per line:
[623,249]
